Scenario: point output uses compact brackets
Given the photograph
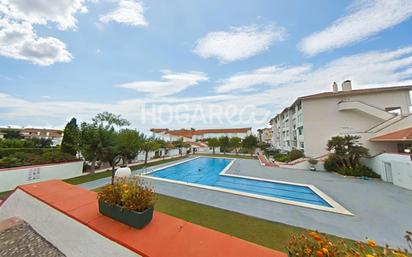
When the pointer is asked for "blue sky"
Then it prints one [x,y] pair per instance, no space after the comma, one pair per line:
[191,63]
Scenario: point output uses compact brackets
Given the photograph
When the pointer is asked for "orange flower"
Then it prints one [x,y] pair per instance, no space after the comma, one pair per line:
[371,243]
[308,251]
[319,253]
[325,251]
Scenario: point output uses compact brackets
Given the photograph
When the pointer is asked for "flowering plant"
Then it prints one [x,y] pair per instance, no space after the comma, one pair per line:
[317,245]
[130,193]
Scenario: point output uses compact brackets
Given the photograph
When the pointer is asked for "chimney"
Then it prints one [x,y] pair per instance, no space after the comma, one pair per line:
[347,85]
[335,87]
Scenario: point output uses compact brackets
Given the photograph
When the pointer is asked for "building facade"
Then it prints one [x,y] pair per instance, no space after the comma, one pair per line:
[55,135]
[265,135]
[193,135]
[312,120]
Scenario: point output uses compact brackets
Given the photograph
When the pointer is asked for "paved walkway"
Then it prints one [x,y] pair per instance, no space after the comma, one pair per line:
[381,210]
[19,239]
[163,236]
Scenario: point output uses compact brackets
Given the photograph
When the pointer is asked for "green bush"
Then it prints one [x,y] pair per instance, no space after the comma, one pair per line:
[9,162]
[330,163]
[5,152]
[357,171]
[24,158]
[280,157]
[295,154]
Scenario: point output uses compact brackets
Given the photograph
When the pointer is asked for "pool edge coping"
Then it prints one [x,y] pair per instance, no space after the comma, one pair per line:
[336,207]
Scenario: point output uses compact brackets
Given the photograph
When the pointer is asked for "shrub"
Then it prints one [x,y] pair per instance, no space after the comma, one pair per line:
[313,244]
[295,154]
[9,162]
[357,171]
[23,158]
[4,152]
[330,163]
[313,161]
[129,193]
[281,157]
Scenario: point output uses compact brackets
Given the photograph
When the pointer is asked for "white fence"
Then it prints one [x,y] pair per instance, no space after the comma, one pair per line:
[12,177]
[393,168]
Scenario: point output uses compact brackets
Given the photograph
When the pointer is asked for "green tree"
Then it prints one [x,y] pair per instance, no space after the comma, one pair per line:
[129,143]
[40,142]
[347,150]
[180,145]
[235,143]
[70,138]
[109,120]
[224,143]
[150,145]
[12,134]
[213,142]
[98,139]
[250,143]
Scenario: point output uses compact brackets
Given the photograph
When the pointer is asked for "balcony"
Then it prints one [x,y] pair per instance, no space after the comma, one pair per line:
[364,108]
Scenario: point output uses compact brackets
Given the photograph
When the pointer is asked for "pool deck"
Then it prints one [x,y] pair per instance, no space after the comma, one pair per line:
[381,210]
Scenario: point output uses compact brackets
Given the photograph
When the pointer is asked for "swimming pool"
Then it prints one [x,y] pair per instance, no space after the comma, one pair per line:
[211,173]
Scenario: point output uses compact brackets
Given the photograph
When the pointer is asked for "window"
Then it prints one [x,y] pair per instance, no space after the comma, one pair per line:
[302,145]
[394,110]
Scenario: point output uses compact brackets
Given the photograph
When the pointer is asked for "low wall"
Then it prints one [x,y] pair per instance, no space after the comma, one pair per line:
[12,177]
[393,168]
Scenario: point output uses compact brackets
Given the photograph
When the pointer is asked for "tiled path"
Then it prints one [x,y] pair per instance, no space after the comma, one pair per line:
[164,236]
[17,239]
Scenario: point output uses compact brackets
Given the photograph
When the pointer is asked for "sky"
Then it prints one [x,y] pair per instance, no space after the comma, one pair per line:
[183,64]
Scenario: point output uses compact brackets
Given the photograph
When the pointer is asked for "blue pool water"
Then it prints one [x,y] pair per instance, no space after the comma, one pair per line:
[205,171]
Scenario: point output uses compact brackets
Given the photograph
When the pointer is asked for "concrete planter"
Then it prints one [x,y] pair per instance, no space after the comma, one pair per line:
[131,218]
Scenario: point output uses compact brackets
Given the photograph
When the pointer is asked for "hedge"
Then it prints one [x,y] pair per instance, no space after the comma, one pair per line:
[6,152]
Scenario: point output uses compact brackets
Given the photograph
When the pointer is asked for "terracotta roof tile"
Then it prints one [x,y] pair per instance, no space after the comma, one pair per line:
[189,133]
[355,92]
[400,135]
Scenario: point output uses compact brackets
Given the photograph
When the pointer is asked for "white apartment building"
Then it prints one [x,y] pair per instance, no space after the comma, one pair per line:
[193,135]
[310,121]
[265,135]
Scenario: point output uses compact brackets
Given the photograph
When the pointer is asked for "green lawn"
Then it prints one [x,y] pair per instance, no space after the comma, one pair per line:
[270,234]
[4,194]
[108,173]
[228,156]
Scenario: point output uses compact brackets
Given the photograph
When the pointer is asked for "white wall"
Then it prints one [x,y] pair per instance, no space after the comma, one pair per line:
[12,177]
[68,235]
[322,118]
[401,166]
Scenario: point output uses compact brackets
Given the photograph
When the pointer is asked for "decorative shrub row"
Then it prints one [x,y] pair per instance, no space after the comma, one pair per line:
[6,152]
[359,170]
[21,158]
[290,156]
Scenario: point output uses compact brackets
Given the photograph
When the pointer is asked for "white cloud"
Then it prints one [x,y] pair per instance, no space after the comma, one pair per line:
[271,75]
[41,12]
[238,43]
[365,18]
[171,83]
[128,12]
[20,41]
[370,69]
